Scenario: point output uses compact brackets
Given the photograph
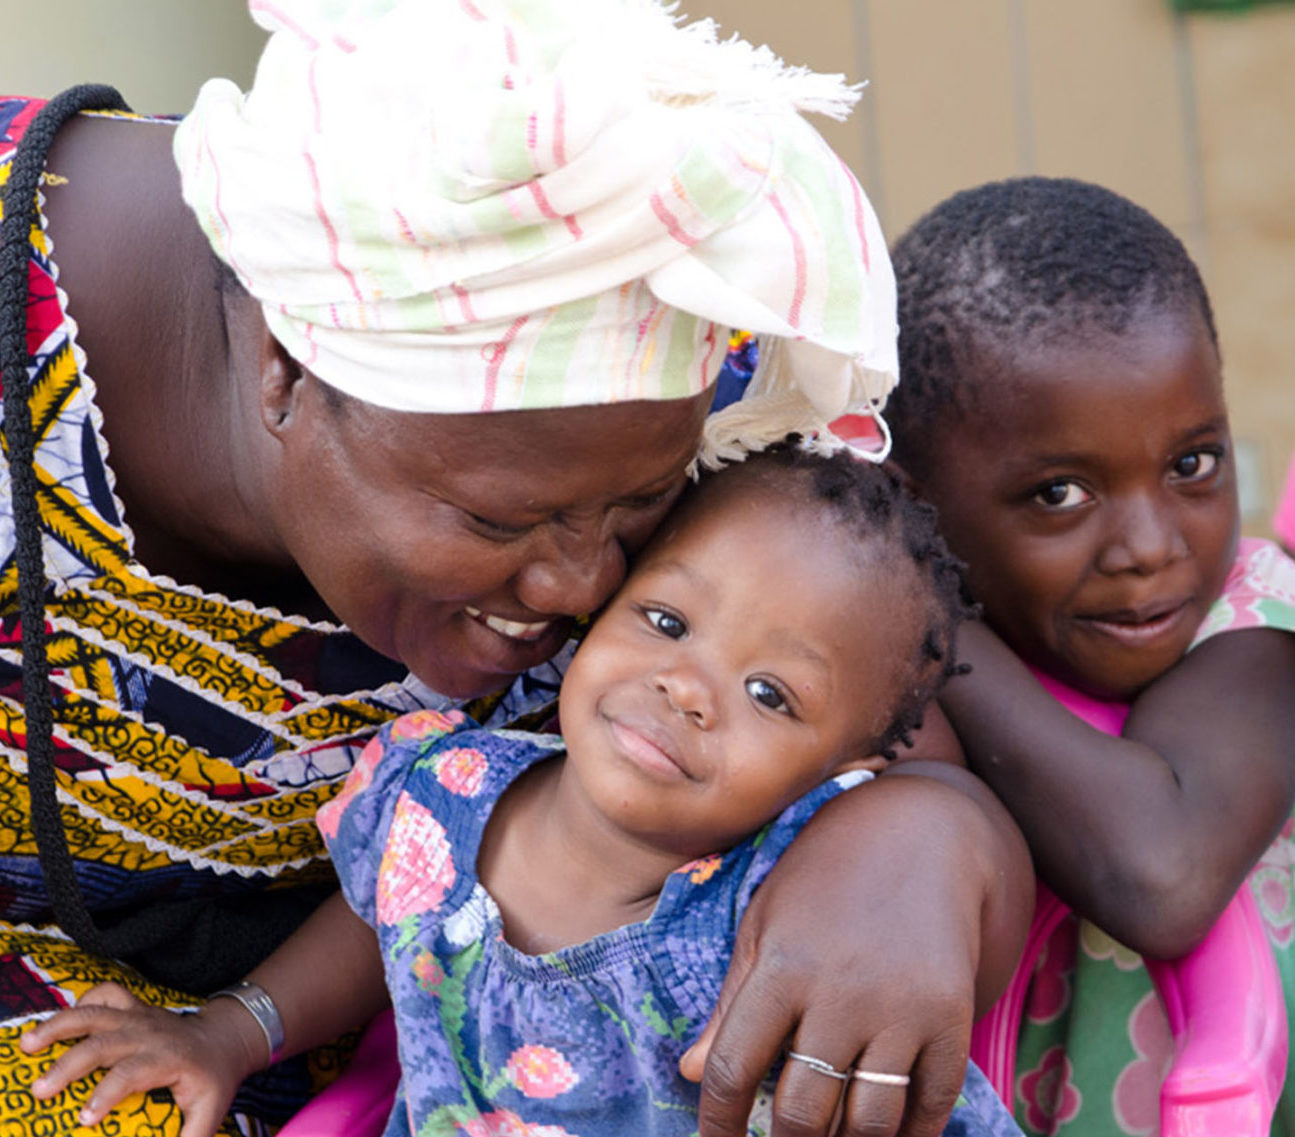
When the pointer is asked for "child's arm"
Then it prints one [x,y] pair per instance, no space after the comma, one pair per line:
[325,980]
[1150,834]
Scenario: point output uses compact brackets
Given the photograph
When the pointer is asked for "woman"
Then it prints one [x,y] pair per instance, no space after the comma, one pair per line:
[481,262]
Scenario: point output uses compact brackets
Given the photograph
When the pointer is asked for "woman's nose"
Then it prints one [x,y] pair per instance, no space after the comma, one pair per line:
[574,573]
[1145,538]
[688,693]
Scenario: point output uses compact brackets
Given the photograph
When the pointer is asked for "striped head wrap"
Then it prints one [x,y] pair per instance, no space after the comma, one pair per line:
[458,206]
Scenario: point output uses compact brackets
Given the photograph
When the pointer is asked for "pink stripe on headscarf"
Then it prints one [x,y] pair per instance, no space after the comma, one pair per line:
[559,125]
[671,222]
[330,231]
[546,209]
[498,350]
[859,224]
[798,251]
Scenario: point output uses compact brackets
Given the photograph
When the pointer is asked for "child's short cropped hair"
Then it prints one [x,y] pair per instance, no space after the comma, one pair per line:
[1014,263]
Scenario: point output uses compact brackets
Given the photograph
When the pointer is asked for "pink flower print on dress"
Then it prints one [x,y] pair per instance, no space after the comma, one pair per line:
[1050,1098]
[461,770]
[540,1072]
[1272,881]
[428,971]
[357,781]
[700,871]
[1136,1097]
[423,724]
[417,868]
[1049,992]
[505,1123]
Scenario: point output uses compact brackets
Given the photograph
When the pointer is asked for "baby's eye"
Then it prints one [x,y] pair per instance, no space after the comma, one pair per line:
[1197,465]
[767,695]
[1062,494]
[667,623]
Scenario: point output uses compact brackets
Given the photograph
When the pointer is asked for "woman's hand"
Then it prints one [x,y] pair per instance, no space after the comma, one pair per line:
[201,1058]
[895,917]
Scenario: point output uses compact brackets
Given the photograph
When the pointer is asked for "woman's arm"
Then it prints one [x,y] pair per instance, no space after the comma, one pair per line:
[1148,835]
[325,980]
[896,915]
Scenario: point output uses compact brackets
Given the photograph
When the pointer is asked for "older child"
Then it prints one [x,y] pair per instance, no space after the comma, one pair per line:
[555,915]
[1062,406]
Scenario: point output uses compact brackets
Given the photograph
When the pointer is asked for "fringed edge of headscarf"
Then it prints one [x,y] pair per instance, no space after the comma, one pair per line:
[780,401]
[688,64]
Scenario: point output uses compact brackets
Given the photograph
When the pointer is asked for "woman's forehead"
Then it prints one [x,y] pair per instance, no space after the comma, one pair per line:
[555,454]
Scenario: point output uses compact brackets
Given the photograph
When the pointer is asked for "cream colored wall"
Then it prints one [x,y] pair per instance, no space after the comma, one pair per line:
[1192,117]
[156,52]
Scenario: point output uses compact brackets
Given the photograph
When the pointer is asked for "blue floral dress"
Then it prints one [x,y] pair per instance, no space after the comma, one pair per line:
[585,1040]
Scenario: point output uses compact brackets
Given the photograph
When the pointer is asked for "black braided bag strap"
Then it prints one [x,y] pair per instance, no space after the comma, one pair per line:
[57,866]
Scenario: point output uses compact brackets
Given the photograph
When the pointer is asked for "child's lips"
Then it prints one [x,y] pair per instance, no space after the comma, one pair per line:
[1137,627]
[648,746]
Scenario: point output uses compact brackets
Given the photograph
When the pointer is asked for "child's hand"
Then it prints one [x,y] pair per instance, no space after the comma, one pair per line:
[201,1058]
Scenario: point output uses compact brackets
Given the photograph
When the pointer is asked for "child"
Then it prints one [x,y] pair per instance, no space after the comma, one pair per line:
[1062,407]
[552,913]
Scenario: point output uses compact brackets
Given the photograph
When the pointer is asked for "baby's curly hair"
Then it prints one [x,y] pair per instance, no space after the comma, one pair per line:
[872,506]
[1017,262]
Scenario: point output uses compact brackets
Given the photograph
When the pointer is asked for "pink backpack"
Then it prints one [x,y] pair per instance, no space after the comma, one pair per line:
[1224,1002]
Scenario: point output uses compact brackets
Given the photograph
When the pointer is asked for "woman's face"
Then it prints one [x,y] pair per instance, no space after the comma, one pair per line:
[463,545]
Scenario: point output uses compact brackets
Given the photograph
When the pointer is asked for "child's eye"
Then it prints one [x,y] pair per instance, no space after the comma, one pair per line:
[667,623]
[1197,465]
[767,695]
[1062,494]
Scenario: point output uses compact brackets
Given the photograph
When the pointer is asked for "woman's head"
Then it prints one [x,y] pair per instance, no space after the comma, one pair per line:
[1063,408]
[528,208]
[790,620]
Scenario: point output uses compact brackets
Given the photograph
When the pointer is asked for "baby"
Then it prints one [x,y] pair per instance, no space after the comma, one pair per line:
[555,915]
[1062,406]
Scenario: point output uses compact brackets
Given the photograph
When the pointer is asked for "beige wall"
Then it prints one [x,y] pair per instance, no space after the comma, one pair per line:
[156,52]
[1192,117]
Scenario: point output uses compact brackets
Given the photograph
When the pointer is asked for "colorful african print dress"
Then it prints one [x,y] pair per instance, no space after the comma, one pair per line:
[195,735]
[581,1041]
[1095,1042]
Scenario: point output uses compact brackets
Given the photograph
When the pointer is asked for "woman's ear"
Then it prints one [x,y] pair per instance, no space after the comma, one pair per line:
[281,384]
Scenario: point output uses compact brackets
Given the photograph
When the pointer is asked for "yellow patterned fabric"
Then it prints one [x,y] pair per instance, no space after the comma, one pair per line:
[195,736]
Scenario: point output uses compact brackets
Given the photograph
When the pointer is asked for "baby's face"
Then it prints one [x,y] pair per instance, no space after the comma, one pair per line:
[752,652]
[1093,497]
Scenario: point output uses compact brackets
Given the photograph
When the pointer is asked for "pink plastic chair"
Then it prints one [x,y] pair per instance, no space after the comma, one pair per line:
[1224,1002]
[1284,515]
[359,1102]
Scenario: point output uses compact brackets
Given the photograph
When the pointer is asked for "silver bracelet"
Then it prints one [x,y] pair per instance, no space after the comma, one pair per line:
[261,1007]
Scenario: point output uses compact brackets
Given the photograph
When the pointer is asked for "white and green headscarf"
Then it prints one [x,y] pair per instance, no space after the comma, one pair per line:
[472,205]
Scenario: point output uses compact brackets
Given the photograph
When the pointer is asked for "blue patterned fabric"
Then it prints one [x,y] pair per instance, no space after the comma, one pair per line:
[585,1040]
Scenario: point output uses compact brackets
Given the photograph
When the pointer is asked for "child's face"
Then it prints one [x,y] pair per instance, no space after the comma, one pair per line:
[1092,495]
[751,653]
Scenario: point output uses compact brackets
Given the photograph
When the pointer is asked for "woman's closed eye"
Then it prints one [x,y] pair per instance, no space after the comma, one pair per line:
[498,530]
[1062,493]
[768,694]
[669,624]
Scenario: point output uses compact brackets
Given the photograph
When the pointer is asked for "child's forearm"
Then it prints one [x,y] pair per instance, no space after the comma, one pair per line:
[325,980]
[1149,835]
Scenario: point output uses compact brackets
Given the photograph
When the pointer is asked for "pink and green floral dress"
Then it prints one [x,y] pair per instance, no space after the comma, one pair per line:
[1095,1041]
